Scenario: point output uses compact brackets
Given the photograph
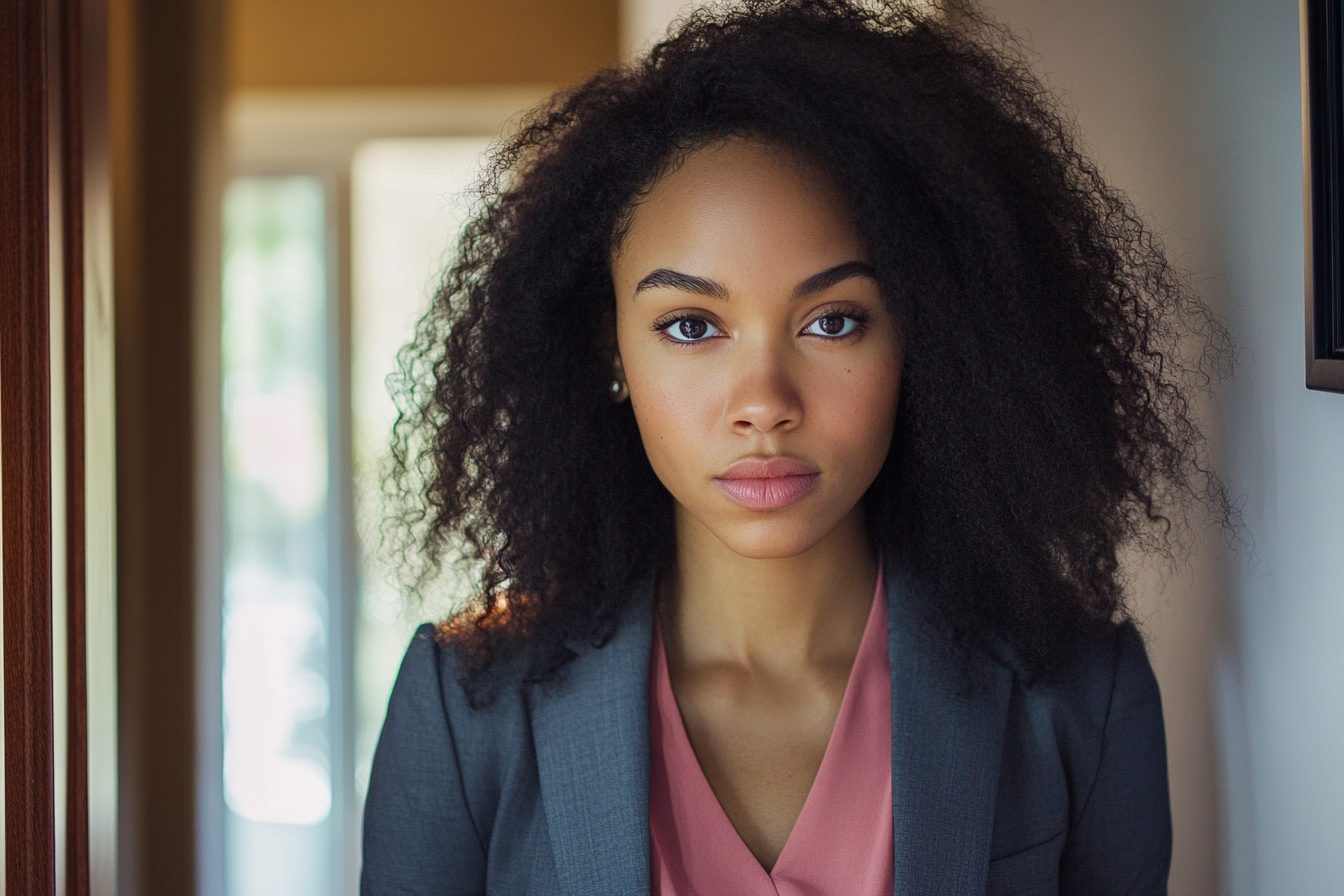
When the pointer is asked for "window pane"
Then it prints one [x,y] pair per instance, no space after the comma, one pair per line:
[407,209]
[277,732]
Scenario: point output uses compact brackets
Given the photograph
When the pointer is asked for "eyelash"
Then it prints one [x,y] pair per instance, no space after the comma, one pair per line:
[859,316]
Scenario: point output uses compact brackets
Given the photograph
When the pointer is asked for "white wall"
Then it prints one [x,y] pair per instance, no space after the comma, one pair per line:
[1281,676]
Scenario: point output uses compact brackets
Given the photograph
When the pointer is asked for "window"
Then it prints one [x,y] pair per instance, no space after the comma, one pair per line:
[334,243]
[280,731]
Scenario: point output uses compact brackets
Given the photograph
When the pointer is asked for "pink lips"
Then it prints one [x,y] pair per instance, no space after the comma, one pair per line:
[767,483]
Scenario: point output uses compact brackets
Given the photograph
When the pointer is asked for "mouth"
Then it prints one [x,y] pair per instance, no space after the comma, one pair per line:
[767,483]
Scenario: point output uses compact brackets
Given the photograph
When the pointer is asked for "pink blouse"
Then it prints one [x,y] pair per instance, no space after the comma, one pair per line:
[841,844]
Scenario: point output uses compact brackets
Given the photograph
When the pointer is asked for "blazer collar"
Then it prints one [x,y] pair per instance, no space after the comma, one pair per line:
[591,735]
[946,743]
[590,730]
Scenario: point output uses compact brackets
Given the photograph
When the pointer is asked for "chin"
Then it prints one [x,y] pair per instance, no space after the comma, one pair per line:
[769,540]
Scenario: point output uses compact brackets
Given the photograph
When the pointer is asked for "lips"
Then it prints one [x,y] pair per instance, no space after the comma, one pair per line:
[767,483]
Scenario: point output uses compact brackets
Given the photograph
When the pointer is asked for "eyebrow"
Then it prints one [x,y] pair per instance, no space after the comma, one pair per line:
[838,274]
[705,287]
[684,282]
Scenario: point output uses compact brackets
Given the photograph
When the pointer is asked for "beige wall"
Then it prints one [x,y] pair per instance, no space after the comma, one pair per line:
[417,43]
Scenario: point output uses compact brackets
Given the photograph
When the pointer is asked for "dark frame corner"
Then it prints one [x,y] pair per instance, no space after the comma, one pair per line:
[1323,189]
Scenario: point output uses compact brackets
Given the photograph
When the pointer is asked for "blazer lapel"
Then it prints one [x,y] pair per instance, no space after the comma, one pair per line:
[946,745]
[591,734]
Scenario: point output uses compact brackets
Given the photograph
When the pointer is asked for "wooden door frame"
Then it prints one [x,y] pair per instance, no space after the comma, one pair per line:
[41,104]
[25,448]
[70,30]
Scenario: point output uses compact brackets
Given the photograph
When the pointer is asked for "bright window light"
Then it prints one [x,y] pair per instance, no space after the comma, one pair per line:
[277,731]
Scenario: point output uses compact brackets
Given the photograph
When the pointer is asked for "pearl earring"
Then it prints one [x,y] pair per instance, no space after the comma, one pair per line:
[618,391]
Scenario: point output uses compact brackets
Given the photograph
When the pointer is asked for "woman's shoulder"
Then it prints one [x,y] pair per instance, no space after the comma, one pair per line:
[1110,667]
[434,732]
[1084,760]
[452,782]
[1108,681]
[1095,724]
[432,677]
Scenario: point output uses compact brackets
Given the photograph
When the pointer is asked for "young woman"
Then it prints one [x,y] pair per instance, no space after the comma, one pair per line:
[793,394]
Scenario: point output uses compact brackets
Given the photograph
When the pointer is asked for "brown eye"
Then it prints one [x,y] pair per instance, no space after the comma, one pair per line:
[692,329]
[832,325]
[688,329]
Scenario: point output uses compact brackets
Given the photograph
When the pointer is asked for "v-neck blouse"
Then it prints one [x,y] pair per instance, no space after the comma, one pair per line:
[841,844]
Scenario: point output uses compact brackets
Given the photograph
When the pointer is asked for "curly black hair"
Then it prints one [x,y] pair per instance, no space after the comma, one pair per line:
[1050,347]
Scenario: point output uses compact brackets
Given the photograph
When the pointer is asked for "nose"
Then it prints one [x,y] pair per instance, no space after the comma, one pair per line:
[763,397]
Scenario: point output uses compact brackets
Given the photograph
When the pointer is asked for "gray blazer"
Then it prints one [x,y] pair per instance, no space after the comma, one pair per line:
[1000,790]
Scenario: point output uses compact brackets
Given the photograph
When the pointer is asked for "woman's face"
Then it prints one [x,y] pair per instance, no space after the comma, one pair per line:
[762,364]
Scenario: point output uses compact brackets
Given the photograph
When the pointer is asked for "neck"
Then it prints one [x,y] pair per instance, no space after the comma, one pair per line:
[720,607]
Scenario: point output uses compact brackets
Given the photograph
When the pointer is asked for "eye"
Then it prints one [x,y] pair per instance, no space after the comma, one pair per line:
[689,329]
[832,325]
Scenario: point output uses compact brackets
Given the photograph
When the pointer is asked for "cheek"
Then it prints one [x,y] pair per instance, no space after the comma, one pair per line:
[676,411]
[858,414]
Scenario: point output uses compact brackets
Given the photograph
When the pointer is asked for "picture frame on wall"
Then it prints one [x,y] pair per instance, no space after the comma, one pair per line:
[1323,190]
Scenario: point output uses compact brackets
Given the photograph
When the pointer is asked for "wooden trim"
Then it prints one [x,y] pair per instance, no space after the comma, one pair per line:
[25,449]
[72,219]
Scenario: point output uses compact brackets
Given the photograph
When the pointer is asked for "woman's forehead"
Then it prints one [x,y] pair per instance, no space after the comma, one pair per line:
[735,206]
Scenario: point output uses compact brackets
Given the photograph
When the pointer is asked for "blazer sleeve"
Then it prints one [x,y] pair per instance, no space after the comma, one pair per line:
[1120,842]
[419,837]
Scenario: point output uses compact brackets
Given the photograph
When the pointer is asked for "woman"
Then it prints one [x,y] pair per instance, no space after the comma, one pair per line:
[793,393]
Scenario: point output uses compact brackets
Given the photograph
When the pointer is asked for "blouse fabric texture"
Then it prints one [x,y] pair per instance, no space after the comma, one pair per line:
[842,840]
